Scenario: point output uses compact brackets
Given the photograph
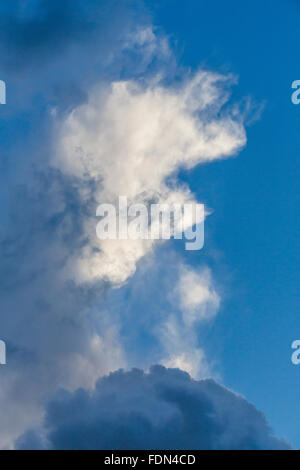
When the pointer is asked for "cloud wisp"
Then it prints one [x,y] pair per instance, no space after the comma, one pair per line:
[197,302]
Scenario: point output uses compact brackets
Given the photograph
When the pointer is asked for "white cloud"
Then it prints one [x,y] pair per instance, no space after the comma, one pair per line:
[182,351]
[129,138]
[132,137]
[197,296]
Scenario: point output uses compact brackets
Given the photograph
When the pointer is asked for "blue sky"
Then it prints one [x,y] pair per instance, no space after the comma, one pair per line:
[56,60]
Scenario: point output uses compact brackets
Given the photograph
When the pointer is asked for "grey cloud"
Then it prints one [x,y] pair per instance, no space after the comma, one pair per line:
[47,322]
[51,53]
[36,33]
[162,409]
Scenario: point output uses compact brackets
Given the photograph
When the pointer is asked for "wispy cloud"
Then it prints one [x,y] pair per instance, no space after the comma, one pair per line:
[196,301]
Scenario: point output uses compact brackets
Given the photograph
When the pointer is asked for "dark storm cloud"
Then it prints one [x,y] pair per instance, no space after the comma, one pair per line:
[32,34]
[164,409]
[51,53]
[52,27]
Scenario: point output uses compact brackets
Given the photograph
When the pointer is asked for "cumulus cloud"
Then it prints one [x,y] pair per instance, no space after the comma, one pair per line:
[162,409]
[129,138]
[109,137]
